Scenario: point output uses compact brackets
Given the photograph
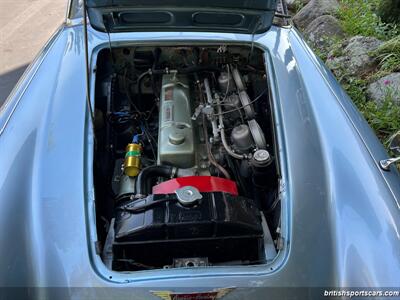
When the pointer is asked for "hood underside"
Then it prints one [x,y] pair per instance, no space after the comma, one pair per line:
[252,16]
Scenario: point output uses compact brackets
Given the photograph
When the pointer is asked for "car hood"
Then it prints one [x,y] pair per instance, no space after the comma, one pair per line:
[236,16]
[343,222]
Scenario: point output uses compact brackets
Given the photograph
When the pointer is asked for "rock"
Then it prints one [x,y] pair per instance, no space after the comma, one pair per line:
[336,64]
[291,4]
[313,10]
[388,86]
[356,59]
[322,31]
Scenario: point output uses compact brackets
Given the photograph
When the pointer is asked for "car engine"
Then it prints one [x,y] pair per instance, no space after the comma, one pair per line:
[185,170]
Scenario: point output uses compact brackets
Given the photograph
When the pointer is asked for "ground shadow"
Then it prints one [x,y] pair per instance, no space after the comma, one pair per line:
[8,81]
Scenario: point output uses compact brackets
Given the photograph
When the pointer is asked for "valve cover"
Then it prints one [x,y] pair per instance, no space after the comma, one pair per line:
[176,137]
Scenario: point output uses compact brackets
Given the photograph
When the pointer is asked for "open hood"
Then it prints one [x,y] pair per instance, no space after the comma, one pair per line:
[236,16]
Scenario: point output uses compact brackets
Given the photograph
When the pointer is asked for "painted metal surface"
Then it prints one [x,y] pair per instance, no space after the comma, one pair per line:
[340,211]
[205,184]
[182,15]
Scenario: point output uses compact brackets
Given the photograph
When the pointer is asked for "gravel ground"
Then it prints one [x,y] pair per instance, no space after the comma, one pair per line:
[25,26]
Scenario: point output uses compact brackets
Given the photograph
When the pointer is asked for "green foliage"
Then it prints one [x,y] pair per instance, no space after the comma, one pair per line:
[389,11]
[358,17]
[321,53]
[382,117]
[355,88]
[336,48]
[388,55]
[298,5]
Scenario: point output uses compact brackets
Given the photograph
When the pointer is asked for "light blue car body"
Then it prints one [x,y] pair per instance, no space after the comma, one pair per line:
[340,211]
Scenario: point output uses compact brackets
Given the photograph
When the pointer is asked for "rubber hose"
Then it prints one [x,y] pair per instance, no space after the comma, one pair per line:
[143,182]
[223,136]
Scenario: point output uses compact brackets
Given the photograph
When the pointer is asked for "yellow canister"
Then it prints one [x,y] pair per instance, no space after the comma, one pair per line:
[132,159]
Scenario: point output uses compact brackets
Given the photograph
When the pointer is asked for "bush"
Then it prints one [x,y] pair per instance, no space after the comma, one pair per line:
[388,55]
[382,117]
[358,17]
[389,11]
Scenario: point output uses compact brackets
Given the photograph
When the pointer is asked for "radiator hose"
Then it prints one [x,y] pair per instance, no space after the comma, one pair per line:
[143,182]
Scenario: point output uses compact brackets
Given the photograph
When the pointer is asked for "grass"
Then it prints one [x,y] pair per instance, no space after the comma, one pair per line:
[298,5]
[383,117]
[388,55]
[358,17]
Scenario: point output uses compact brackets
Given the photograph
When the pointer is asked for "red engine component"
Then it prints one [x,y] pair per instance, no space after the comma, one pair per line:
[205,184]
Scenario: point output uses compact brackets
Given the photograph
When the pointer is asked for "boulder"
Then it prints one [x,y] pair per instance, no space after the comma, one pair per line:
[388,86]
[356,58]
[313,10]
[322,31]
[291,4]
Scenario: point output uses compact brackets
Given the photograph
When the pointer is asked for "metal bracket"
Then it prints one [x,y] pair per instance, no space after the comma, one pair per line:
[386,163]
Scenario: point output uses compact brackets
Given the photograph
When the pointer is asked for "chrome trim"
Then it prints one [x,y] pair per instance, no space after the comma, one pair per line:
[386,163]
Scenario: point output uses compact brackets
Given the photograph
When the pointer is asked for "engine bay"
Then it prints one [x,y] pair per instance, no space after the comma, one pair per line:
[185,169]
